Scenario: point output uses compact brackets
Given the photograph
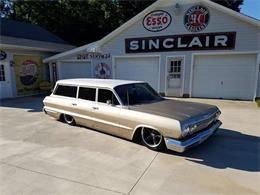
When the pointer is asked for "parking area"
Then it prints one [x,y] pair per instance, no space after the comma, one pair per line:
[39,155]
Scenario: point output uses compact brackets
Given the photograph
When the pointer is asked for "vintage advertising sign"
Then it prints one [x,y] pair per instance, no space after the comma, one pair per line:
[157,21]
[2,55]
[196,18]
[29,74]
[102,71]
[92,55]
[207,41]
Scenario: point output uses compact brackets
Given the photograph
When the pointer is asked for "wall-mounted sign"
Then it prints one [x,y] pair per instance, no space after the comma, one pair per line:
[92,55]
[207,41]
[102,71]
[29,74]
[196,18]
[2,55]
[157,20]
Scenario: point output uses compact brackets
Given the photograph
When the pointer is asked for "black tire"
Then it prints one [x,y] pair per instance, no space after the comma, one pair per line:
[69,119]
[152,139]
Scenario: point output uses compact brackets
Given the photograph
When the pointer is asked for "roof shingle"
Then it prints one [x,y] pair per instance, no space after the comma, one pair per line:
[25,30]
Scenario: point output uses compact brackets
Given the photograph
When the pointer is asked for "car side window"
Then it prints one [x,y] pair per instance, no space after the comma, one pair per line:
[67,91]
[87,93]
[104,95]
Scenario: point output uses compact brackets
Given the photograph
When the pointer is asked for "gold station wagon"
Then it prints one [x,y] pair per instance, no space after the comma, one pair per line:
[132,110]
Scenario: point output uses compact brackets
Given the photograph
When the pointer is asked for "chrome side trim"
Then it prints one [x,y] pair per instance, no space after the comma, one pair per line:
[54,110]
[181,146]
[49,110]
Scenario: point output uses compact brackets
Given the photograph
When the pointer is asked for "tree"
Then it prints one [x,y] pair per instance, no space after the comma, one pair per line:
[6,8]
[84,21]
[231,4]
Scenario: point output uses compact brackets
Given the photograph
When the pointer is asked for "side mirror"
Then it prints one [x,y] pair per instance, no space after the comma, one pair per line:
[109,102]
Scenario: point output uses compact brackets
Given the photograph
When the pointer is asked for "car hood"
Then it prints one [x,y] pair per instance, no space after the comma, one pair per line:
[175,109]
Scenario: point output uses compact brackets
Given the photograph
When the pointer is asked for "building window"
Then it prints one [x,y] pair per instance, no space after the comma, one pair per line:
[2,72]
[175,69]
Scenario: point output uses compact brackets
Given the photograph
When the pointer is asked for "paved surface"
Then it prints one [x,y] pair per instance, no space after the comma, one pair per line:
[41,156]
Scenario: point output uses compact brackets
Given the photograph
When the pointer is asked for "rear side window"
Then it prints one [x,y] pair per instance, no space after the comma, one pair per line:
[67,91]
[87,93]
[104,95]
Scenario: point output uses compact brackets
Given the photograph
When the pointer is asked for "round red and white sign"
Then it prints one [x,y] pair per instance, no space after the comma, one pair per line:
[196,18]
[157,20]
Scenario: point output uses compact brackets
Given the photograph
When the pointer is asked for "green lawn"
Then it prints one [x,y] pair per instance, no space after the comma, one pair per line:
[258,102]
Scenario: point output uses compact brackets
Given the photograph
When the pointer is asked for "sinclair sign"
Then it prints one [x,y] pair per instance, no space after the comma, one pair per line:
[202,41]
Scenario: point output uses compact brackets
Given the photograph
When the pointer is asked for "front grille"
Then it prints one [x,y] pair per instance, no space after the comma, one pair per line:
[197,132]
[205,123]
[202,122]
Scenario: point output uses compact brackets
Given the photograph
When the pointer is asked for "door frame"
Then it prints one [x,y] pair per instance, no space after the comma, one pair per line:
[138,56]
[182,74]
[8,77]
[225,53]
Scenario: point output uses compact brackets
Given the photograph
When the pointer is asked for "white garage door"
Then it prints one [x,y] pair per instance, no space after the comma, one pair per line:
[69,70]
[139,69]
[224,76]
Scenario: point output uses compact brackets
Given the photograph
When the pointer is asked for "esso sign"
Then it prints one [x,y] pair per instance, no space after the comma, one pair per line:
[157,20]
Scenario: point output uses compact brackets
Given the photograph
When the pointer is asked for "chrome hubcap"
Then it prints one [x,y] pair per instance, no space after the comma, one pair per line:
[151,137]
[68,118]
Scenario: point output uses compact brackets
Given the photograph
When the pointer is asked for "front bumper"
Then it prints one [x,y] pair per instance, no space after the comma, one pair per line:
[181,146]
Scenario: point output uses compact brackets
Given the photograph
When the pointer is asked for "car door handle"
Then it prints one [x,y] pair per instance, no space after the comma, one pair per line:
[74,104]
[95,108]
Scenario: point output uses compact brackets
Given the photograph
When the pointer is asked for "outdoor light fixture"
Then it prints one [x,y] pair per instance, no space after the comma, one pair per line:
[177,9]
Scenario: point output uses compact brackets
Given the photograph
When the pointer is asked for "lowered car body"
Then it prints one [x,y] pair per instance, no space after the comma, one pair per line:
[132,109]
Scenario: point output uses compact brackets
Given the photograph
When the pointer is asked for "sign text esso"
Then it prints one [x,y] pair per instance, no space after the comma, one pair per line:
[157,20]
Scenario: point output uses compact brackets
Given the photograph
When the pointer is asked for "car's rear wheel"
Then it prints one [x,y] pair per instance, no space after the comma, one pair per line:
[152,139]
[68,119]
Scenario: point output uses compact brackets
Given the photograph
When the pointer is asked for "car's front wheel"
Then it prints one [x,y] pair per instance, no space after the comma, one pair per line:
[152,139]
[69,119]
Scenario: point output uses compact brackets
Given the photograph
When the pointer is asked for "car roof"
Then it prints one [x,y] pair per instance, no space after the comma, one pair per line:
[107,83]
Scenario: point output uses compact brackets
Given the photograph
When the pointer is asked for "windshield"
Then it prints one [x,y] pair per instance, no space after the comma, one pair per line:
[137,93]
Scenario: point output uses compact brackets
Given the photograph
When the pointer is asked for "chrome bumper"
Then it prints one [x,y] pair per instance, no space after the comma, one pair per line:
[181,146]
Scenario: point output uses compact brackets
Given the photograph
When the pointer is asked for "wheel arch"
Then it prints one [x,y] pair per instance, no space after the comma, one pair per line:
[137,130]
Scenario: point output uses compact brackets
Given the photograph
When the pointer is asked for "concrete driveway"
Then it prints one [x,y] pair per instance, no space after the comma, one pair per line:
[41,156]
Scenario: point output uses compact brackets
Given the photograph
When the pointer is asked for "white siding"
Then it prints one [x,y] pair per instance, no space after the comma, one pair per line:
[74,69]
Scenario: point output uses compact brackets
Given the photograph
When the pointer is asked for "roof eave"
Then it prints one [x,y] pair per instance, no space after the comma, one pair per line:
[70,52]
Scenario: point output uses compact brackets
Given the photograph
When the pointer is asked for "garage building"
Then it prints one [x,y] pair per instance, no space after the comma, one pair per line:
[23,46]
[188,48]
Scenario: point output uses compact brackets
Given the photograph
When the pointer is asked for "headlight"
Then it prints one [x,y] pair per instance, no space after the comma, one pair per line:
[185,132]
[217,115]
[188,130]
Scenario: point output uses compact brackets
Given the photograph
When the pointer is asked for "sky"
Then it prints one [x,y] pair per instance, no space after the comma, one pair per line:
[251,8]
